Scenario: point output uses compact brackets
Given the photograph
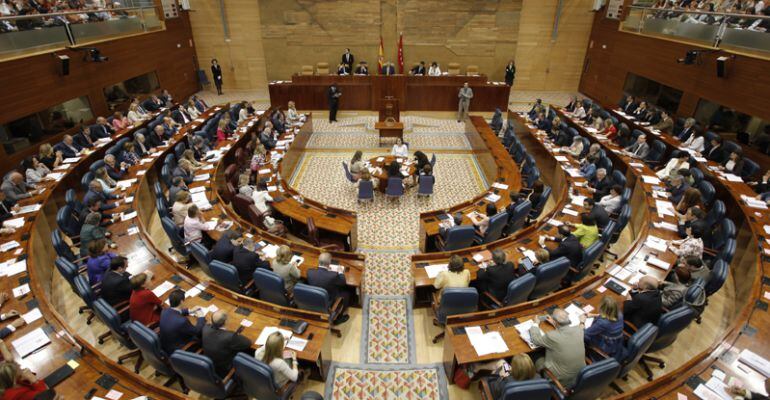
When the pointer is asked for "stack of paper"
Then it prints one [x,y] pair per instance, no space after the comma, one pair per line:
[296,343]
[523,329]
[653,180]
[665,208]
[733,178]
[656,243]
[9,245]
[433,270]
[754,202]
[486,343]
[578,200]
[27,209]
[665,225]
[492,198]
[501,186]
[30,342]
[202,177]
[574,313]
[15,223]
[201,200]
[753,360]
[652,260]
[163,288]
[620,272]
[125,184]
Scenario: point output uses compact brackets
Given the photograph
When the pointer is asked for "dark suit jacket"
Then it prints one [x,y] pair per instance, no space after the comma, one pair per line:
[600,216]
[643,307]
[66,151]
[348,58]
[568,247]
[362,70]
[246,262]
[685,133]
[602,188]
[5,209]
[153,140]
[101,131]
[216,74]
[629,108]
[333,282]
[90,194]
[333,100]
[223,250]
[115,172]
[186,177]
[389,70]
[717,154]
[83,141]
[176,330]
[545,125]
[221,346]
[496,278]
[678,192]
[116,287]
[418,70]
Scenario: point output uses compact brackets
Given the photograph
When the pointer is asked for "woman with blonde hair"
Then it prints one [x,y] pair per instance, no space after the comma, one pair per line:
[259,158]
[221,131]
[109,186]
[134,115]
[606,331]
[189,155]
[19,383]
[366,176]
[244,185]
[292,116]
[49,157]
[274,355]
[192,110]
[521,369]
[287,269]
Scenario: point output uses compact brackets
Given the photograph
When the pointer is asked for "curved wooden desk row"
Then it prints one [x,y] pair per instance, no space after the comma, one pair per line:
[141,258]
[750,269]
[497,166]
[292,205]
[65,345]
[564,186]
[457,347]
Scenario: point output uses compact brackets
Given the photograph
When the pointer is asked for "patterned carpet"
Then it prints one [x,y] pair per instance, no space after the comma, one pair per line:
[364,382]
[387,337]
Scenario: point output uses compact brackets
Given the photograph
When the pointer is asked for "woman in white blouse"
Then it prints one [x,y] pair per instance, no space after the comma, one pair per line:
[243,114]
[695,142]
[577,146]
[292,116]
[580,112]
[192,110]
[261,197]
[134,115]
[272,354]
[674,165]
[434,70]
[35,171]
[400,149]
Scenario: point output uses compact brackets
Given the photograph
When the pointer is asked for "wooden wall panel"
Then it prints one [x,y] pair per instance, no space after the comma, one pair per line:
[545,64]
[612,54]
[241,55]
[32,84]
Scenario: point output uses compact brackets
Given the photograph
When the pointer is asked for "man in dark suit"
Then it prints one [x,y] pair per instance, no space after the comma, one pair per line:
[444,230]
[419,69]
[677,188]
[175,329]
[95,193]
[152,104]
[221,345]
[68,147]
[601,184]
[246,260]
[85,139]
[629,106]
[5,207]
[687,130]
[598,213]
[388,69]
[333,282]
[224,247]
[716,152]
[116,283]
[333,95]
[569,246]
[362,68]
[535,107]
[693,218]
[184,170]
[102,128]
[496,277]
[543,123]
[643,304]
[156,137]
[347,57]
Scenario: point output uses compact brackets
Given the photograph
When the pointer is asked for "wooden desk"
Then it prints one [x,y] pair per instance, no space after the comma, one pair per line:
[390,130]
[414,93]
[381,169]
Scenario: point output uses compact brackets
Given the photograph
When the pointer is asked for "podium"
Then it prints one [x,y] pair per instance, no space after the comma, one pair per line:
[389,109]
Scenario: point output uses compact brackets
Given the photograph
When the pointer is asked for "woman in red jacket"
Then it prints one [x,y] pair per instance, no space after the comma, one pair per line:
[17,383]
[144,306]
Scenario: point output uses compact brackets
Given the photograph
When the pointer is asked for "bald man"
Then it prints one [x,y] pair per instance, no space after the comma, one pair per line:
[333,282]
[644,303]
[15,188]
[221,345]
[564,348]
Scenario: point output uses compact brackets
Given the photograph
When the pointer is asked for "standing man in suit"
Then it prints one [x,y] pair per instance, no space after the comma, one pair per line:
[216,73]
[175,329]
[465,95]
[510,73]
[333,282]
[347,57]
[221,345]
[640,148]
[564,347]
[643,304]
[333,94]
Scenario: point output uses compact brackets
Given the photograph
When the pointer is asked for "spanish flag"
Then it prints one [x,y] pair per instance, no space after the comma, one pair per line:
[380,57]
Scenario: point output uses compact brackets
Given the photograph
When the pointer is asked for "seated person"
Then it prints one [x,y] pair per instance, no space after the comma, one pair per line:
[181,205]
[400,149]
[14,188]
[34,170]
[521,369]
[762,185]
[177,185]
[115,170]
[195,229]
[157,137]
[639,149]
[343,69]
[116,283]
[744,393]
[482,223]
[184,170]
[674,165]
[221,345]
[333,282]
[285,267]
[677,187]
[496,276]
[601,184]
[597,212]
[119,121]
[225,247]
[606,332]
[144,306]
[576,147]
[611,202]
[542,256]
[564,348]
[175,328]
[85,139]
[542,122]
[690,246]
[456,276]
[696,268]
[733,164]
[644,304]
[672,291]
[366,176]
[447,226]
[129,155]
[569,246]
[361,69]
[716,152]
[50,157]
[419,69]
[246,259]
[99,260]
[68,147]
[273,354]
[694,218]
[586,232]
[19,383]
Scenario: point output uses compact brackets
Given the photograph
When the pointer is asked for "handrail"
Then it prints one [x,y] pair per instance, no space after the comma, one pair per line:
[688,11]
[97,10]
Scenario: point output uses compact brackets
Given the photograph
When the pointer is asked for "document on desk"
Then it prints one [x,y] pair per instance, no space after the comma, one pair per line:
[71,160]
[653,180]
[753,360]
[201,200]
[523,329]
[666,225]
[665,208]
[574,313]
[16,223]
[656,243]
[27,209]
[202,177]
[268,330]
[657,262]
[198,189]
[164,287]
[719,387]
[270,250]
[578,200]
[9,245]
[733,178]
[14,268]
[434,269]
[555,222]
[492,198]
[561,158]
[296,343]
[125,184]
[754,202]
[32,316]
[620,272]
[30,342]
[501,186]
[127,216]
[573,172]
[486,343]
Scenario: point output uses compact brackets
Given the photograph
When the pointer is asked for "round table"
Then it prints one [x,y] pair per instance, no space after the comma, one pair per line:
[380,164]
